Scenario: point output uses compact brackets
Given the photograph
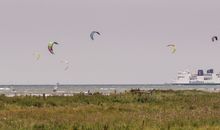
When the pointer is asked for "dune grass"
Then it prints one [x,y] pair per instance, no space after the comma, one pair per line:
[161,110]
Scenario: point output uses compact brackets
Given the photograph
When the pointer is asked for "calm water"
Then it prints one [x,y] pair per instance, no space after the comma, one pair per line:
[39,89]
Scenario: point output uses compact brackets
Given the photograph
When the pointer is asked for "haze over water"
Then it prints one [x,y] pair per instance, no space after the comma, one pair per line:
[131,49]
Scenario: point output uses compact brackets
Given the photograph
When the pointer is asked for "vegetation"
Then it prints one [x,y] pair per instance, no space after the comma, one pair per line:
[159,110]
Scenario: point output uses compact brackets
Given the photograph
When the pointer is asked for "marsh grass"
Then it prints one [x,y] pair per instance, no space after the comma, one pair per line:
[161,110]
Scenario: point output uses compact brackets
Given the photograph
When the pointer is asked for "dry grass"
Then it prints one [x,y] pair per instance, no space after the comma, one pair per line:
[160,111]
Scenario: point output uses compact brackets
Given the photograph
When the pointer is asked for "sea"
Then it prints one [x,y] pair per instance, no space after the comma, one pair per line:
[70,89]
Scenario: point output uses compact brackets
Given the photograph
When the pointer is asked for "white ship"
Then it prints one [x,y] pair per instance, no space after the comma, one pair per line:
[199,78]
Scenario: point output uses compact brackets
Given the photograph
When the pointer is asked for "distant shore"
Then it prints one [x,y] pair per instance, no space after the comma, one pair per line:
[103,91]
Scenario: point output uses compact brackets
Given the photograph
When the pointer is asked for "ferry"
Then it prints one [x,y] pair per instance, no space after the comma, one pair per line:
[199,78]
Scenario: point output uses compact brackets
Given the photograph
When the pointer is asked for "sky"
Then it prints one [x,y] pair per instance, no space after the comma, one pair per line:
[131,49]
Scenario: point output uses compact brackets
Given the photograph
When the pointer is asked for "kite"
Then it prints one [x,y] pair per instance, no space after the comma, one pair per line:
[37,55]
[172,47]
[93,33]
[50,46]
[66,63]
[214,38]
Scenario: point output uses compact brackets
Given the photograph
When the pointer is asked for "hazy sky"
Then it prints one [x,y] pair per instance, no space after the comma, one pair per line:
[131,48]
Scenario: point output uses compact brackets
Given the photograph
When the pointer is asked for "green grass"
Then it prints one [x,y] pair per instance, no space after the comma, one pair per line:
[163,110]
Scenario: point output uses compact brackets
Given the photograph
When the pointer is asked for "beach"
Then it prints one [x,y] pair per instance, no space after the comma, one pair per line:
[86,89]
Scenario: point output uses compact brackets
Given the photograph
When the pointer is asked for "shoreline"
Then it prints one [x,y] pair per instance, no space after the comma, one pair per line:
[102,91]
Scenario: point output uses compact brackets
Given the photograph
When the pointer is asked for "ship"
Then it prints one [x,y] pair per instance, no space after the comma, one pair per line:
[198,78]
